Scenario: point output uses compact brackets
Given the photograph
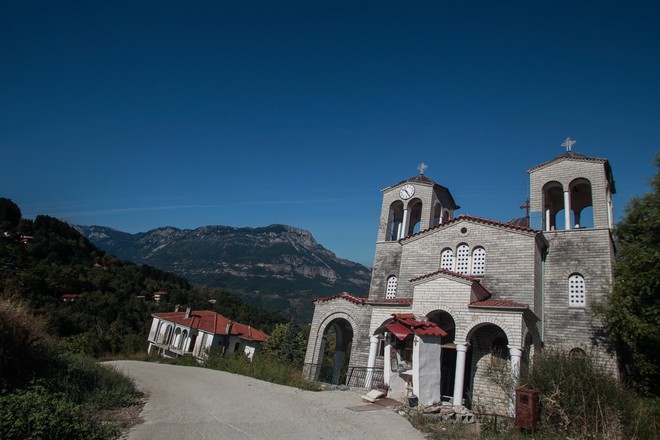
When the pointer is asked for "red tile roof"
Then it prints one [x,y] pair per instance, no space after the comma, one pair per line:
[161,293]
[212,322]
[344,295]
[499,303]
[70,295]
[473,219]
[404,324]
[359,300]
[446,272]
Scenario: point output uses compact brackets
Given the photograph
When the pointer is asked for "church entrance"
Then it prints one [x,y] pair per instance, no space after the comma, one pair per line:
[447,353]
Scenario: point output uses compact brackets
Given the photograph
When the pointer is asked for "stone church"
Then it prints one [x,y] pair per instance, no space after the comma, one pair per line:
[455,297]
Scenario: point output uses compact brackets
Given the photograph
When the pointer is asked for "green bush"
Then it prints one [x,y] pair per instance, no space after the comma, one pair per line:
[38,413]
[263,366]
[25,348]
[580,400]
[87,382]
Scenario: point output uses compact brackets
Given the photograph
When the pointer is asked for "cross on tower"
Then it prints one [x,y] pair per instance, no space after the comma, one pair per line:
[568,143]
[526,207]
[422,167]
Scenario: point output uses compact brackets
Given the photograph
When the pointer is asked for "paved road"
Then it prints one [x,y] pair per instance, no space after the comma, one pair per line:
[197,403]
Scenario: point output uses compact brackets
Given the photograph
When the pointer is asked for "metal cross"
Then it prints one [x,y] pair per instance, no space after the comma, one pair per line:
[568,143]
[526,207]
[422,167]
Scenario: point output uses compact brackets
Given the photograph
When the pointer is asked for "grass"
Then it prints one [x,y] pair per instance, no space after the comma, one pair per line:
[48,393]
[262,366]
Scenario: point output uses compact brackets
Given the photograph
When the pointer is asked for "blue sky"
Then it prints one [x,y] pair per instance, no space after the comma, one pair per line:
[137,115]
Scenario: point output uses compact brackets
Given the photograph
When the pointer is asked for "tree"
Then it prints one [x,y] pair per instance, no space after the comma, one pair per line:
[631,311]
[10,214]
[286,343]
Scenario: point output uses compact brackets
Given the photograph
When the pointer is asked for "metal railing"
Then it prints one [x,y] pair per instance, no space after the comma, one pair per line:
[364,377]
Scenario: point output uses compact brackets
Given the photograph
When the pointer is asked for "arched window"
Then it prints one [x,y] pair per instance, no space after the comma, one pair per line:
[553,202]
[415,216]
[478,261]
[395,221]
[582,203]
[447,260]
[437,215]
[445,216]
[168,335]
[463,259]
[184,337]
[391,287]
[577,353]
[577,296]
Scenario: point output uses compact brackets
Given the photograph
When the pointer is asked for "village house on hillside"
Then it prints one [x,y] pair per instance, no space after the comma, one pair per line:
[453,297]
[194,333]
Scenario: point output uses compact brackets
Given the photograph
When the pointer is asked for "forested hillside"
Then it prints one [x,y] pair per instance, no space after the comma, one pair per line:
[44,259]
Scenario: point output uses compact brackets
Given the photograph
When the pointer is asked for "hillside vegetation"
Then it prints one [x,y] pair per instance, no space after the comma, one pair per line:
[42,260]
[50,385]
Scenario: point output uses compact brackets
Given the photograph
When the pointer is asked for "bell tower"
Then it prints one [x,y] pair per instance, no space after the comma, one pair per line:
[571,203]
[571,191]
[408,207]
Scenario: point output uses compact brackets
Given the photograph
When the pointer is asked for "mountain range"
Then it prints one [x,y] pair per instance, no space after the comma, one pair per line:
[277,267]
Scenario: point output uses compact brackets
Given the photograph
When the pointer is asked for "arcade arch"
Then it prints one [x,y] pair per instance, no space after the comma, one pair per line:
[332,348]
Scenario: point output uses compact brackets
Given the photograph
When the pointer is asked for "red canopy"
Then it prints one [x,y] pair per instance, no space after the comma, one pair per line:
[399,330]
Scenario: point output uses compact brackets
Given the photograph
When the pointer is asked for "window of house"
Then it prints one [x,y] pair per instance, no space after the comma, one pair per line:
[576,291]
[390,292]
[463,259]
[447,260]
[478,261]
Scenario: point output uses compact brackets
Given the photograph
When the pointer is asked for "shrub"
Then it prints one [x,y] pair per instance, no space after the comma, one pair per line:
[263,366]
[26,346]
[38,413]
[85,381]
[580,400]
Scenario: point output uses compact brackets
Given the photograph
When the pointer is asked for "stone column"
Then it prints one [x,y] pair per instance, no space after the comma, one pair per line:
[371,362]
[515,353]
[547,219]
[404,224]
[461,350]
[567,210]
[336,370]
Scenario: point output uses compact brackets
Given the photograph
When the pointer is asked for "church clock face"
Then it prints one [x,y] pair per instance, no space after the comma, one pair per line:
[407,192]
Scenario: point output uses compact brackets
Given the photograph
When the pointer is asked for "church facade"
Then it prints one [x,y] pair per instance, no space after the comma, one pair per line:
[455,297]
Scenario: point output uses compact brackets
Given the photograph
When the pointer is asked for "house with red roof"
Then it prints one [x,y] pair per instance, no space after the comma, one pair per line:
[195,333]
[453,297]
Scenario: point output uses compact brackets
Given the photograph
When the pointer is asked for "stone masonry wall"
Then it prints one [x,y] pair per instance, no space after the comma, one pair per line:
[386,263]
[357,315]
[588,252]
[510,257]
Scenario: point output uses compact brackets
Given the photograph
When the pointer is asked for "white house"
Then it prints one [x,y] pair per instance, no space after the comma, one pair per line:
[194,333]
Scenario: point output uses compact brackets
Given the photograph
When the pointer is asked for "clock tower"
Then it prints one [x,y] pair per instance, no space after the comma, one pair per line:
[408,207]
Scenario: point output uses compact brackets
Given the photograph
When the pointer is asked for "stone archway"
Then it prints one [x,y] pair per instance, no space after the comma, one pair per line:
[329,350]
[447,353]
[488,380]
[337,340]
